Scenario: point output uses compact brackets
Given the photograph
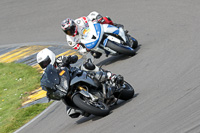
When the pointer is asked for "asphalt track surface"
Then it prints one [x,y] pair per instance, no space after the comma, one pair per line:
[165,72]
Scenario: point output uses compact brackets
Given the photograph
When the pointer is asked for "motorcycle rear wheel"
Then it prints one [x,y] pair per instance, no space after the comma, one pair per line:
[95,108]
[127,93]
[120,48]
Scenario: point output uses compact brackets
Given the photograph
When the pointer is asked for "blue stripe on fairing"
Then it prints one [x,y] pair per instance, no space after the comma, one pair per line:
[98,32]
[111,26]
[105,42]
[116,32]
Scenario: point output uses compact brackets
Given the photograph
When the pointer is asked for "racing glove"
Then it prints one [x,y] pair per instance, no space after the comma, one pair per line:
[65,61]
[83,51]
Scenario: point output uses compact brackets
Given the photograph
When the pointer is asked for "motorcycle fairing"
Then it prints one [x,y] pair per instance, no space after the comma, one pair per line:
[95,34]
[105,42]
[107,49]
[64,78]
[114,30]
[115,41]
[83,78]
[51,78]
[93,37]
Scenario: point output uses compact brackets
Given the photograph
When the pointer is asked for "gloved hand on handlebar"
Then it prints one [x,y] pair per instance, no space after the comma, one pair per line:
[65,61]
[83,51]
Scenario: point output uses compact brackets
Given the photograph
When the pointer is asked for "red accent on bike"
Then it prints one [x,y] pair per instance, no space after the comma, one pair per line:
[77,46]
[85,19]
[107,21]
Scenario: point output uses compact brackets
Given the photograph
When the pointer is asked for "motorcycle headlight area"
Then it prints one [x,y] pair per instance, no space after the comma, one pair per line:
[63,86]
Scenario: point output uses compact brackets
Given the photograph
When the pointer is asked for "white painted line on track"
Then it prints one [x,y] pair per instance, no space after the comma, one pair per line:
[53,104]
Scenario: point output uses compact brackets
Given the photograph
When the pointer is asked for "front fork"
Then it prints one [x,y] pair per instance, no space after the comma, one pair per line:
[85,93]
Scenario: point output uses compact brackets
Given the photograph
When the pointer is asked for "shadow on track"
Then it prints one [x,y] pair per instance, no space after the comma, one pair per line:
[113,59]
[112,108]
[122,102]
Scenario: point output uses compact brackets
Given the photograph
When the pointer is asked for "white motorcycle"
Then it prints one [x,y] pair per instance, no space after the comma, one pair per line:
[108,39]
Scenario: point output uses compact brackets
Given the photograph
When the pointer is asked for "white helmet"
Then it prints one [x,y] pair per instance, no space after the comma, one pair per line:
[45,57]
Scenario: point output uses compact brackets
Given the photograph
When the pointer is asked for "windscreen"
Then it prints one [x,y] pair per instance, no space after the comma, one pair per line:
[50,77]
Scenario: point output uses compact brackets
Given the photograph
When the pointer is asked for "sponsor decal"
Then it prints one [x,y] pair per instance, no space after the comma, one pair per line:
[62,72]
[79,21]
[85,31]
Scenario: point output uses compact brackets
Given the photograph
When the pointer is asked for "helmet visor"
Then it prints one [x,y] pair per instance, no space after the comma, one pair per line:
[71,30]
[45,62]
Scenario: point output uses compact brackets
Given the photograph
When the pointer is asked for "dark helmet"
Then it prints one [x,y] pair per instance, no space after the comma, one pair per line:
[69,27]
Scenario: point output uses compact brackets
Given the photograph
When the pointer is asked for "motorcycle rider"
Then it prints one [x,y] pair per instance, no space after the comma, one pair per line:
[76,29]
[46,57]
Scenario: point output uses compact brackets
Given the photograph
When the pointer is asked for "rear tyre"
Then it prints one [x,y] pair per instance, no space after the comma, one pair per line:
[119,48]
[127,93]
[95,108]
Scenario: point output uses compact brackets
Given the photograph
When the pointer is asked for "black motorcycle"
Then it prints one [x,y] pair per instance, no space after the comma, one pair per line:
[83,92]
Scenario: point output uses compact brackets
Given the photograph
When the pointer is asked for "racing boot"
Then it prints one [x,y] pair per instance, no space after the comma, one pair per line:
[73,113]
[96,55]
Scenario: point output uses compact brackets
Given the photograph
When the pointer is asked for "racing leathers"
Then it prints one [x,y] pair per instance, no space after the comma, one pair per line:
[83,28]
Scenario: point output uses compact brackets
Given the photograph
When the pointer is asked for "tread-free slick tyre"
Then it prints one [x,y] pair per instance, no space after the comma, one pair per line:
[126,93]
[78,101]
[135,43]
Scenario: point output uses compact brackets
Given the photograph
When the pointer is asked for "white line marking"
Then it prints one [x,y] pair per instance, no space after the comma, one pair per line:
[53,104]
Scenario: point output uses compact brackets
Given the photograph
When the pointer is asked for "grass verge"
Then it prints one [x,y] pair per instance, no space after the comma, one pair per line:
[16,82]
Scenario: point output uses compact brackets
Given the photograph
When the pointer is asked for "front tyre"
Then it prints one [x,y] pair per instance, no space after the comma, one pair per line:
[127,93]
[89,106]
[135,43]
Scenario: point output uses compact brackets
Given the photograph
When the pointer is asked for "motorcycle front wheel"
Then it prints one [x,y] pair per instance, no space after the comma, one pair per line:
[95,108]
[135,43]
[127,93]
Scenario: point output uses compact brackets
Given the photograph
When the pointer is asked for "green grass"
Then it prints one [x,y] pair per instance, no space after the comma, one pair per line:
[16,82]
